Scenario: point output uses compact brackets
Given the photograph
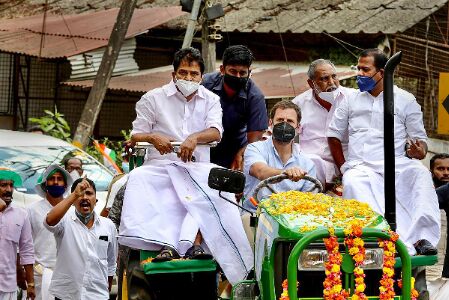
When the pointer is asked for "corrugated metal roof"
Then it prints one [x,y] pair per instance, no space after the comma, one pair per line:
[333,16]
[272,78]
[74,34]
[86,65]
[297,16]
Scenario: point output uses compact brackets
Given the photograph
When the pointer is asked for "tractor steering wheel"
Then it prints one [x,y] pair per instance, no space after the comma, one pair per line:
[317,188]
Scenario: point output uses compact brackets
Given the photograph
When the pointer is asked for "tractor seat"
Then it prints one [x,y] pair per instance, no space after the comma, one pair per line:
[174,266]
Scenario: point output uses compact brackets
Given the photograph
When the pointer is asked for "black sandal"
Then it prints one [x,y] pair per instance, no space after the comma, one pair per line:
[197,252]
[166,254]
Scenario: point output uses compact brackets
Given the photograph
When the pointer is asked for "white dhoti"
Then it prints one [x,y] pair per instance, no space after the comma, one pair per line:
[166,203]
[42,280]
[417,211]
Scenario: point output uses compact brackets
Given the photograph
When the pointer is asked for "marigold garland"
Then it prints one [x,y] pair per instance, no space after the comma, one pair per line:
[414,292]
[338,213]
[333,288]
[284,295]
[357,250]
[318,206]
[386,288]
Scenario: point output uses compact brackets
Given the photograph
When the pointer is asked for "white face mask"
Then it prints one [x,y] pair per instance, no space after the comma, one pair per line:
[328,96]
[187,87]
[75,175]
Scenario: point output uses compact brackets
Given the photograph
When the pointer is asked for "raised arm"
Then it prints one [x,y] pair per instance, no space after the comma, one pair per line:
[59,210]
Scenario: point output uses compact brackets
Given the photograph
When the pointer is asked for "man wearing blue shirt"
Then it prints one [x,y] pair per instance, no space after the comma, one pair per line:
[244,111]
[278,155]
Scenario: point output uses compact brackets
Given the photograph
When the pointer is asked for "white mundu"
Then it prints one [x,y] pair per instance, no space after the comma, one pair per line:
[315,120]
[44,248]
[167,201]
[361,117]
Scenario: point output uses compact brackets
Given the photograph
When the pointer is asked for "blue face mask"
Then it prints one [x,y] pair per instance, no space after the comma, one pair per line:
[366,83]
[56,190]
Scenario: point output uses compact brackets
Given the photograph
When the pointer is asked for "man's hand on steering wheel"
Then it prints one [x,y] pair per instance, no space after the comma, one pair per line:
[161,143]
[294,174]
[187,147]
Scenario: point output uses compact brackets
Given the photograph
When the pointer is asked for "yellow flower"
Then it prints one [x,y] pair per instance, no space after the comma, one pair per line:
[388,271]
[336,288]
[360,288]
[354,250]
[335,268]
[358,242]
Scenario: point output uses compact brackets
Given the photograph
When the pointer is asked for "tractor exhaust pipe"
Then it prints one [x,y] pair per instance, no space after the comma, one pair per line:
[389,153]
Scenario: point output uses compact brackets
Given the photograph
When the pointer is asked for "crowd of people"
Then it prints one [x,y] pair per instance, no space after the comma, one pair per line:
[60,248]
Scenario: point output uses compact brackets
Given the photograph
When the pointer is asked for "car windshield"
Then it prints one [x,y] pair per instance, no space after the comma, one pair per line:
[30,163]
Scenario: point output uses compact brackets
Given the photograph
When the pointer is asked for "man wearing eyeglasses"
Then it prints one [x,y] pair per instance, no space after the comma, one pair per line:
[317,106]
[245,117]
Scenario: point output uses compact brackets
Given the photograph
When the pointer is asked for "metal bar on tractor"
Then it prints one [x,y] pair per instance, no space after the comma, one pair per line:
[389,151]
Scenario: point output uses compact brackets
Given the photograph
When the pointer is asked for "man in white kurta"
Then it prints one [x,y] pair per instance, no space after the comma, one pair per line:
[317,108]
[167,200]
[44,240]
[361,116]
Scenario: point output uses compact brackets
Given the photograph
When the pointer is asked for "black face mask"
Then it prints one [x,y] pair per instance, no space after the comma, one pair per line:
[235,83]
[284,132]
[438,182]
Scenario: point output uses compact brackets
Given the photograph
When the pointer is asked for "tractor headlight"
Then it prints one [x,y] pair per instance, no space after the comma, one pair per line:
[374,259]
[314,259]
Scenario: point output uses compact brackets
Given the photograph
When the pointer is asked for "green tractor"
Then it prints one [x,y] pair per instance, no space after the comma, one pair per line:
[283,248]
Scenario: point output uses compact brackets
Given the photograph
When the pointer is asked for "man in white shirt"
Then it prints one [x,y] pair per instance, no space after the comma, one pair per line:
[52,186]
[317,108]
[86,243]
[168,205]
[361,116]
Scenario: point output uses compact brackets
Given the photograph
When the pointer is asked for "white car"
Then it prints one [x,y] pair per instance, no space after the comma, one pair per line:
[29,154]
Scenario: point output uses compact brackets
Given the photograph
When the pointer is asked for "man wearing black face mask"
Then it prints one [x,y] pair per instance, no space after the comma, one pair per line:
[52,186]
[278,154]
[244,112]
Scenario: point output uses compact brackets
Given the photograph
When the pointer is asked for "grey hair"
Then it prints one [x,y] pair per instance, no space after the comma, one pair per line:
[314,64]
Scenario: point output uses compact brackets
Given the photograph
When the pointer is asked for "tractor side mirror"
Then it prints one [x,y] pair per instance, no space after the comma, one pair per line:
[226,180]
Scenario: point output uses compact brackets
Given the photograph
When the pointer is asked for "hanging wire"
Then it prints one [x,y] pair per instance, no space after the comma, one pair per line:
[43,28]
[342,43]
[70,32]
[283,49]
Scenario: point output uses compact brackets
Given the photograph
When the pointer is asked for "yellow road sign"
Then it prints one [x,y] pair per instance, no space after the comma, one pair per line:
[443,104]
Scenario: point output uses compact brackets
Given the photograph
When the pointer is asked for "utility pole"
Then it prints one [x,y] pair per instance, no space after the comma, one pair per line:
[208,46]
[210,34]
[93,104]
[192,23]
